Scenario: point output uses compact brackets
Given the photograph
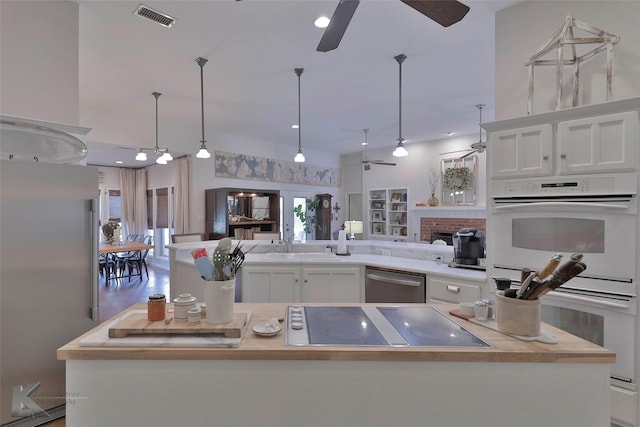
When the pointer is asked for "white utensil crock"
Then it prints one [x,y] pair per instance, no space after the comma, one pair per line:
[219,296]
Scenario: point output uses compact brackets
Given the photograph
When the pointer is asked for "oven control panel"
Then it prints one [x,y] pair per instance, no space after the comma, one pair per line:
[561,186]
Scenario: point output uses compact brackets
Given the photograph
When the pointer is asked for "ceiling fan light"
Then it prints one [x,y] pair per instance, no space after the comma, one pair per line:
[141,156]
[203,153]
[400,151]
[322,22]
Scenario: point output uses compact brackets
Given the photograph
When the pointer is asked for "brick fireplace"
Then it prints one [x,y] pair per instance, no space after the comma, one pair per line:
[429,226]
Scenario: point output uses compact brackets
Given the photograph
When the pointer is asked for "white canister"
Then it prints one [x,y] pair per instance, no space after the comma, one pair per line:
[219,296]
[194,315]
[181,305]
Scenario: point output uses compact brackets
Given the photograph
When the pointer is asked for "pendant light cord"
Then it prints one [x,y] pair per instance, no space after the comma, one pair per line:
[201,61]
[480,107]
[400,58]
[156,95]
[299,73]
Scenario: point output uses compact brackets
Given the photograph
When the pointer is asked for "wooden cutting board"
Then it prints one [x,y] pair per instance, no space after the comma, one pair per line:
[137,324]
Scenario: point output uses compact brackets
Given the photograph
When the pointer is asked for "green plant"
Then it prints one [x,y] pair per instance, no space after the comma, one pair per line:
[307,216]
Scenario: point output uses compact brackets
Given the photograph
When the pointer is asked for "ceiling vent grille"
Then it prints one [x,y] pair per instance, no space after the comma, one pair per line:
[159,17]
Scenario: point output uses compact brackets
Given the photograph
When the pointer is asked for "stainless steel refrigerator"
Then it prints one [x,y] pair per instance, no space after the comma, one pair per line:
[48,280]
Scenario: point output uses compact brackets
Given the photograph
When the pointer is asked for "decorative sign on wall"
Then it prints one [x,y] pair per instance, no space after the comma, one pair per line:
[241,166]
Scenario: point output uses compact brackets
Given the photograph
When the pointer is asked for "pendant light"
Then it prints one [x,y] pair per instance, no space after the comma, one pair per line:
[400,151]
[299,158]
[203,153]
[162,154]
[160,159]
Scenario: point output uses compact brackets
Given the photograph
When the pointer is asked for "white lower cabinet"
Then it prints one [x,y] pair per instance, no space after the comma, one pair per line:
[452,290]
[295,283]
[270,283]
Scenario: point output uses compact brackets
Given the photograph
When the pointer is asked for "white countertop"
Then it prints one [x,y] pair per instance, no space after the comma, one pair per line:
[383,261]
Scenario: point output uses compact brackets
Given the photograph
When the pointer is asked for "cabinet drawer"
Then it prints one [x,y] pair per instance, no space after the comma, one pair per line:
[452,291]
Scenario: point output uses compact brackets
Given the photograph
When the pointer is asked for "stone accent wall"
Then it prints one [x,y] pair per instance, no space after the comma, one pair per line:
[448,225]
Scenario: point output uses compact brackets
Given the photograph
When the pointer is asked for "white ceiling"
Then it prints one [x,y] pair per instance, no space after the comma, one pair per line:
[250,86]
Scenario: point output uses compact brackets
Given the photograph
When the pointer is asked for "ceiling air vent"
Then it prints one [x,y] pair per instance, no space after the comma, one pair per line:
[159,17]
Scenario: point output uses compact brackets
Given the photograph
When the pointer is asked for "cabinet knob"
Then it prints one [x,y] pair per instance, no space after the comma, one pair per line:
[296,280]
[545,157]
[454,289]
[563,156]
[305,281]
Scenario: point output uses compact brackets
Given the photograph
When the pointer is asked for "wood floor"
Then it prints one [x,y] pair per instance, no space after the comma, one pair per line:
[121,294]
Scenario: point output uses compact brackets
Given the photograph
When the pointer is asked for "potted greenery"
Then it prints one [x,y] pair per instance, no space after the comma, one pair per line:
[307,216]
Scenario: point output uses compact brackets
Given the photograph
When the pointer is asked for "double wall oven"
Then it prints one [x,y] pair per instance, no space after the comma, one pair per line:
[596,215]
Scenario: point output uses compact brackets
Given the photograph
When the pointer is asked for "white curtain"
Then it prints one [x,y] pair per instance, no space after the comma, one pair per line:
[133,196]
[183,193]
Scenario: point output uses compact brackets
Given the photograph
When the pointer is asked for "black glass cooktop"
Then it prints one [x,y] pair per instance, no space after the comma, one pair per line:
[376,326]
[341,326]
[426,326]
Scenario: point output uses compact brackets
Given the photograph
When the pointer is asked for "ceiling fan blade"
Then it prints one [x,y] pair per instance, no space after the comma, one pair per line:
[453,152]
[468,154]
[338,25]
[444,12]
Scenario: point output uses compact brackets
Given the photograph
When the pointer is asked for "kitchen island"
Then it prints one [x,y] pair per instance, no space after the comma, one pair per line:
[265,382]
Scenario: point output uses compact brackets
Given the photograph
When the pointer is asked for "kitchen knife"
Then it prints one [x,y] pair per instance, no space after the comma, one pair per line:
[550,267]
[578,268]
[565,272]
[524,285]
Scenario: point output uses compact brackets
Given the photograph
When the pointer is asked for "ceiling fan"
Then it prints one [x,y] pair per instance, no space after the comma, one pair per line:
[444,12]
[365,161]
[476,147]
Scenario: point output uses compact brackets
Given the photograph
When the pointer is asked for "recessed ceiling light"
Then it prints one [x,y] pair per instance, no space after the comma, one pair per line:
[119,162]
[322,22]
[294,126]
[450,133]
[364,143]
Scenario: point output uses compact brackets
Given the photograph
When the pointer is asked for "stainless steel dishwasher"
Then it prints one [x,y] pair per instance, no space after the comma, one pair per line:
[394,286]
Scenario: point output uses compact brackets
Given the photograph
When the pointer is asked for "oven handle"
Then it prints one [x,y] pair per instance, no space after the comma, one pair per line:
[560,205]
[592,301]
[394,281]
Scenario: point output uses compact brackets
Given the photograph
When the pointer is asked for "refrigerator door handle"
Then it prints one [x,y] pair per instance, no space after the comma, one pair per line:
[94,309]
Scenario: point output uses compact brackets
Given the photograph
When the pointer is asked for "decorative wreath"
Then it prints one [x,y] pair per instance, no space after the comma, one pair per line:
[458,178]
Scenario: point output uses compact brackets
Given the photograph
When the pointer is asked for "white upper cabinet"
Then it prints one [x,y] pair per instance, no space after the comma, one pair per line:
[522,152]
[590,139]
[598,144]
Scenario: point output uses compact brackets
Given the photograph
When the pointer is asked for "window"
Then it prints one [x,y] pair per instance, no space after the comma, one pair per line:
[115,205]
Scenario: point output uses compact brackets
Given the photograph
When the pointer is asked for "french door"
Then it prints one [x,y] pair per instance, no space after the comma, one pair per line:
[290,225]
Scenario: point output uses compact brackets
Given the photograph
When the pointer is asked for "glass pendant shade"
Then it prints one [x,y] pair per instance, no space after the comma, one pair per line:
[203,153]
[141,156]
[299,158]
[400,151]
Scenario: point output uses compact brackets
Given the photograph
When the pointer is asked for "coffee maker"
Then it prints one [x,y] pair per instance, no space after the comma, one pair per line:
[468,246]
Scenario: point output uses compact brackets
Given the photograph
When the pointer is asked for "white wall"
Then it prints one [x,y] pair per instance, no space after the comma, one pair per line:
[39,60]
[523,28]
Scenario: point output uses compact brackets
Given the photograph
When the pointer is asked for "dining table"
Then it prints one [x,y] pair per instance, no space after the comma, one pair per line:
[108,248]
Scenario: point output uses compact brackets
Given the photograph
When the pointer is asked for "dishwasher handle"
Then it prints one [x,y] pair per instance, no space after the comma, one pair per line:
[390,280]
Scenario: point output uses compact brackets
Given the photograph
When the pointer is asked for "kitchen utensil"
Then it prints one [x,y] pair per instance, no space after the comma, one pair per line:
[511,293]
[269,328]
[525,284]
[205,268]
[562,274]
[524,273]
[550,267]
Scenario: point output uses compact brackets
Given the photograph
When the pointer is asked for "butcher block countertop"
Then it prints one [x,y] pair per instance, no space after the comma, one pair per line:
[568,349]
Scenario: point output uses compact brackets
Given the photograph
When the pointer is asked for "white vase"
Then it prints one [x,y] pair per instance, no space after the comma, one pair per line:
[219,297]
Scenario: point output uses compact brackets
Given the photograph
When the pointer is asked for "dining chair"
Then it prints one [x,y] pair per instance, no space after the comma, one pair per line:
[139,259]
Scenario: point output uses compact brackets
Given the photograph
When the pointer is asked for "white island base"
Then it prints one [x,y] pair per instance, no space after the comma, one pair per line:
[327,393]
